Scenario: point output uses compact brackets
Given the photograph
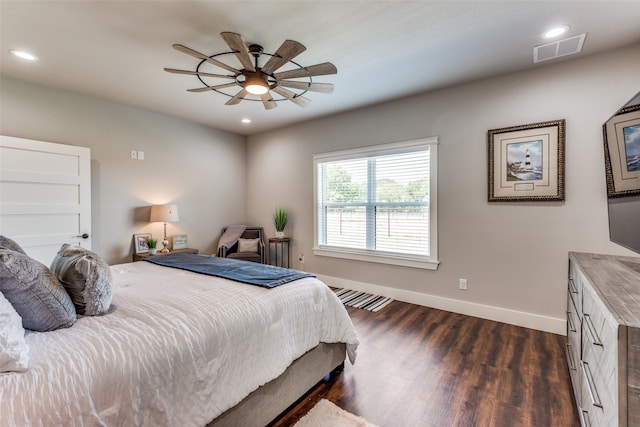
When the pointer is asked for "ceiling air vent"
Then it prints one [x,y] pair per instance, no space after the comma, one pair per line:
[558,48]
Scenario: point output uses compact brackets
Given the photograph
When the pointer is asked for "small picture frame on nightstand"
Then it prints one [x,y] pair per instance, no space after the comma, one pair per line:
[180,241]
[141,242]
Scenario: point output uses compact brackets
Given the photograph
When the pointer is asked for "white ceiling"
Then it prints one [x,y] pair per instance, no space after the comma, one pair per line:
[383,50]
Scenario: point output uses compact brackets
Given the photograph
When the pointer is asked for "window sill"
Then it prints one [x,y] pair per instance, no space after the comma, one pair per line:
[379,258]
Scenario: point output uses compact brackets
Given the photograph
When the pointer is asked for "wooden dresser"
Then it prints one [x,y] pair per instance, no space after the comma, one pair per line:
[603,338]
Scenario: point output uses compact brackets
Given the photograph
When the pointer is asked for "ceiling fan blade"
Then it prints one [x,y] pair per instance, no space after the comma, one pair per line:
[285,53]
[312,70]
[268,101]
[312,87]
[237,98]
[198,73]
[207,88]
[293,97]
[235,42]
[199,55]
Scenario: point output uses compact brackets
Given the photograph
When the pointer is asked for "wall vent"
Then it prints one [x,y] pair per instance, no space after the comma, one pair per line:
[558,48]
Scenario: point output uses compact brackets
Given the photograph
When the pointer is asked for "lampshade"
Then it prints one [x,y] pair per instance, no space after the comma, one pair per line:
[164,213]
[256,85]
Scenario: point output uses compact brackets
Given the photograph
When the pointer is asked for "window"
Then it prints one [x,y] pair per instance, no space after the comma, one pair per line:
[378,204]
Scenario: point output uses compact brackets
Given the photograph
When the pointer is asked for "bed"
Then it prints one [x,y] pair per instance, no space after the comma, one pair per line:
[180,348]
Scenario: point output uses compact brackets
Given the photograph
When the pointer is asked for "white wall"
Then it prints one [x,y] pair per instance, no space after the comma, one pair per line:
[200,169]
[514,255]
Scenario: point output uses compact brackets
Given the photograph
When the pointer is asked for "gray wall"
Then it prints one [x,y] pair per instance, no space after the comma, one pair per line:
[514,255]
[200,169]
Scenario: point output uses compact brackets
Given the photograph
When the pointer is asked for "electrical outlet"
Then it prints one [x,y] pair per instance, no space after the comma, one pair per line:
[140,155]
[301,259]
[463,284]
[134,154]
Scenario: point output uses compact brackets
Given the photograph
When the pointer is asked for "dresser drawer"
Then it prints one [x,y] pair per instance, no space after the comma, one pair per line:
[598,407]
[573,322]
[599,330]
[599,365]
[575,285]
[573,344]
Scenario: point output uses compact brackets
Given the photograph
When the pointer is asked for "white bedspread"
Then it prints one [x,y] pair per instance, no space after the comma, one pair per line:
[179,350]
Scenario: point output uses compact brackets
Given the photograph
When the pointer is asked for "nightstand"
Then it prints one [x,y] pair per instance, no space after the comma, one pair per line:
[279,252]
[140,257]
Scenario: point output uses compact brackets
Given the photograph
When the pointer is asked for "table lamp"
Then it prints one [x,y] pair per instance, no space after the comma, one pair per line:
[164,213]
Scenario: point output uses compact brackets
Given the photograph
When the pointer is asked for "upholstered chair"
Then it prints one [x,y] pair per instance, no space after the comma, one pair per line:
[250,246]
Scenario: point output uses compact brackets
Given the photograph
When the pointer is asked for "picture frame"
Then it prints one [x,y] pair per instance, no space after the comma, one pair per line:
[621,134]
[140,242]
[526,162]
[180,241]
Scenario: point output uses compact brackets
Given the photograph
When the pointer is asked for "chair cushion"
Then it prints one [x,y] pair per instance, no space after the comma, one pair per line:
[246,256]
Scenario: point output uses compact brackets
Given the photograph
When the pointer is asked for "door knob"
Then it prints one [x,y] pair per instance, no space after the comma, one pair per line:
[83,235]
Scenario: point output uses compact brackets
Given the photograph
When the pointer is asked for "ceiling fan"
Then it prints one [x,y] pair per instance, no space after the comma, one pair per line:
[256,80]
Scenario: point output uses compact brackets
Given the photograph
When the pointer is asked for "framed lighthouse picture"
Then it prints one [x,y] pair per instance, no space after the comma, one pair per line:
[622,152]
[526,162]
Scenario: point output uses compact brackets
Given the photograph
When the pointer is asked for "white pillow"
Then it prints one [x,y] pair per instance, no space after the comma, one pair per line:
[14,352]
[248,245]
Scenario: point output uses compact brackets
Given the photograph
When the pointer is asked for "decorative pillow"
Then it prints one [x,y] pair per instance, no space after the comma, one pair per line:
[7,243]
[34,292]
[248,245]
[14,352]
[86,277]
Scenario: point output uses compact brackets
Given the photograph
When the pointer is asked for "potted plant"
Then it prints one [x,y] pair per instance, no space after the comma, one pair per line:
[152,246]
[280,221]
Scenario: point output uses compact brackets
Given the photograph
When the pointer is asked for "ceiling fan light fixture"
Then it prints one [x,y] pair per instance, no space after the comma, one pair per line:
[256,85]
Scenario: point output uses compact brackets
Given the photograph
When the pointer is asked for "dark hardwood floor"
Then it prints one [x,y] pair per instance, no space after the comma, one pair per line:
[419,366]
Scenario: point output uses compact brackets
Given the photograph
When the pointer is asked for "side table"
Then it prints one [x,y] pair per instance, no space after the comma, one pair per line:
[279,252]
[140,257]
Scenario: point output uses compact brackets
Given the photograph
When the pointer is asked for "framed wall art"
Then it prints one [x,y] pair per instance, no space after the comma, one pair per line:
[180,241]
[141,242]
[622,152]
[526,162]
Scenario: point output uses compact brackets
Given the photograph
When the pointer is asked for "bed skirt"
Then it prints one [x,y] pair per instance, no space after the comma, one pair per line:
[267,402]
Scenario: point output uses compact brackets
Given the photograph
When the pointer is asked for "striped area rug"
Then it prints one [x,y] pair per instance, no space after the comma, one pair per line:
[362,300]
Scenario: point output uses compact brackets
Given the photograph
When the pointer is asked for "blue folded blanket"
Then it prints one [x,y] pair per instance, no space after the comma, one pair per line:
[252,273]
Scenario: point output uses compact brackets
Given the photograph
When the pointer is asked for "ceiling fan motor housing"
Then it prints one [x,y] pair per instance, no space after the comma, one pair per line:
[255,50]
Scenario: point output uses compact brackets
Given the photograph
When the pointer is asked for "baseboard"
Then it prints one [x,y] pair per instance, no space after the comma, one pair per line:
[499,314]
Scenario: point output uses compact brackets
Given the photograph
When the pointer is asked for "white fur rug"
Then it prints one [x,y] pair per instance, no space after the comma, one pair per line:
[326,414]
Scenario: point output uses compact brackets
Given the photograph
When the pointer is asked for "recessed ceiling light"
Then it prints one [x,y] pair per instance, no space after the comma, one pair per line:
[246,120]
[555,32]
[23,54]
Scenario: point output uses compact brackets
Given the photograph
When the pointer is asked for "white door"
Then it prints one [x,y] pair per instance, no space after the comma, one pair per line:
[45,195]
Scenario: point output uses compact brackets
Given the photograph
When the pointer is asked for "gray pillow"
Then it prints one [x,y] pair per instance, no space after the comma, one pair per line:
[34,292]
[7,243]
[86,277]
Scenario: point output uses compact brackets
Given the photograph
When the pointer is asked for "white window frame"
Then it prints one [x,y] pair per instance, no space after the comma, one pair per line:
[426,262]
